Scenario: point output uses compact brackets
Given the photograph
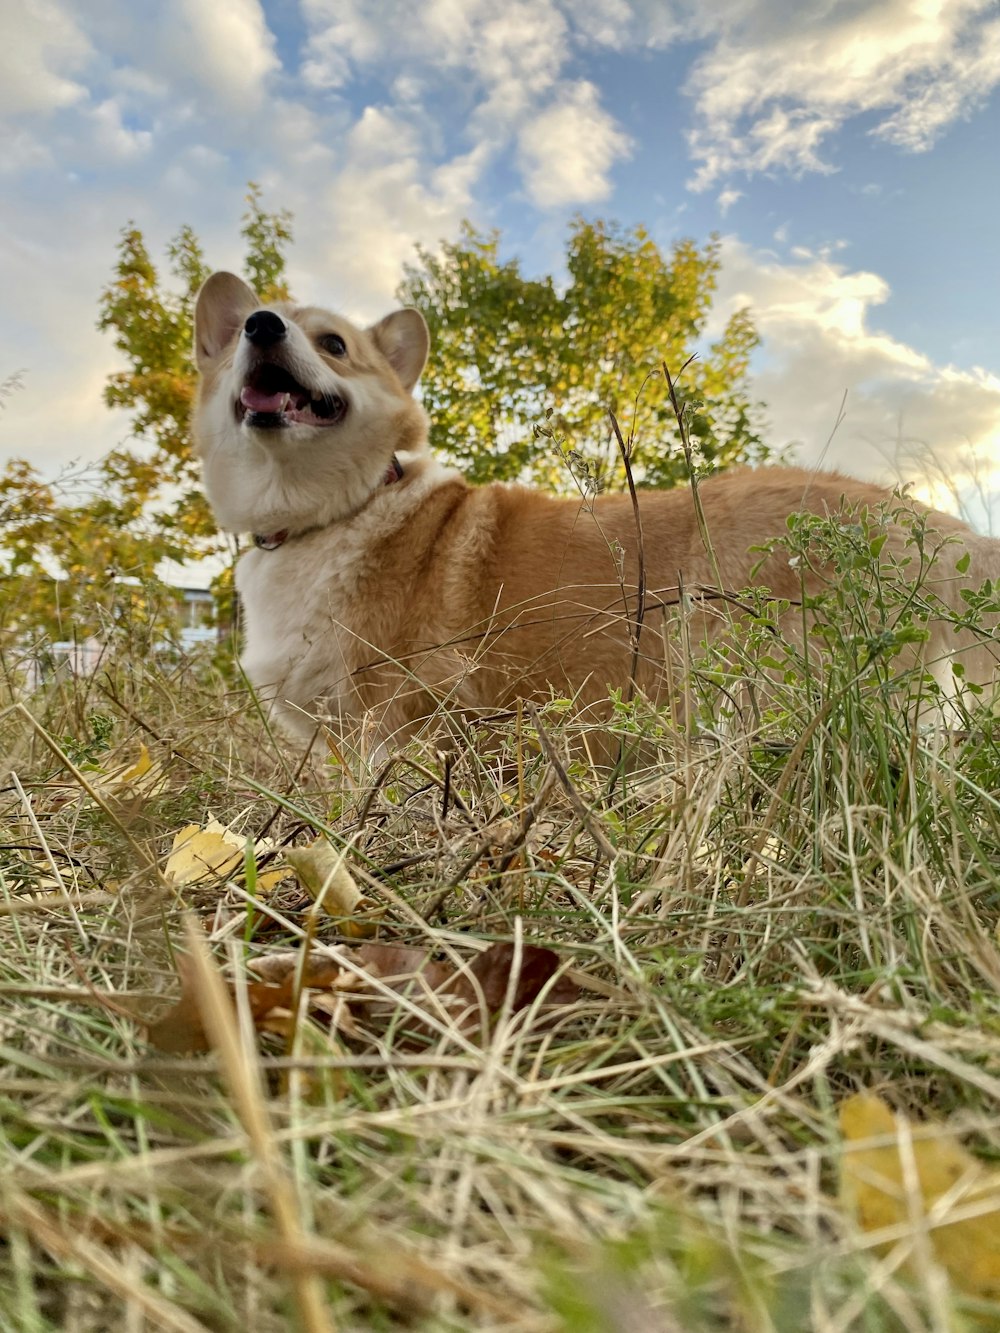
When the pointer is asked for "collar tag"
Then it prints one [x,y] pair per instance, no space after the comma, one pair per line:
[270,541]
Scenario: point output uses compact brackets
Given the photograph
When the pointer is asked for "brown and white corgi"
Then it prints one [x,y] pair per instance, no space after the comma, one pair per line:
[382,584]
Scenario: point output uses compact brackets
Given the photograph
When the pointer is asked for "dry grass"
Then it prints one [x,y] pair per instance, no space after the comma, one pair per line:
[761,921]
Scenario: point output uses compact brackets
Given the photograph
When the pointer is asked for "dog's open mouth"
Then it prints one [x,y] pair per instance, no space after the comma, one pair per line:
[272,397]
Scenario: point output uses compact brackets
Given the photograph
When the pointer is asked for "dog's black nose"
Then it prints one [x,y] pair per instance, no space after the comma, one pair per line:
[264,328]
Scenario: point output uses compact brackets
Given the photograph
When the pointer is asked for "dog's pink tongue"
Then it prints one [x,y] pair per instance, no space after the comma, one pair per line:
[255,400]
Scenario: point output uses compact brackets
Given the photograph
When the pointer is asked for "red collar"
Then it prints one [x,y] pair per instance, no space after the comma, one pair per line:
[270,541]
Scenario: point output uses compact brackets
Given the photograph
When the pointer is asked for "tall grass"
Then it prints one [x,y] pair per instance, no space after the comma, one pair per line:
[792,894]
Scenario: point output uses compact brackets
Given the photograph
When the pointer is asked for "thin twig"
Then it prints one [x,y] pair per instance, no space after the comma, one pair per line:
[584,813]
[635,624]
[680,413]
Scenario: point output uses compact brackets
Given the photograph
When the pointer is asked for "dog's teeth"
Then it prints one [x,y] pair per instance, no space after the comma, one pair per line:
[285,401]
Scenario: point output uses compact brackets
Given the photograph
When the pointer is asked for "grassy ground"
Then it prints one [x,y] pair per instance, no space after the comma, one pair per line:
[761,920]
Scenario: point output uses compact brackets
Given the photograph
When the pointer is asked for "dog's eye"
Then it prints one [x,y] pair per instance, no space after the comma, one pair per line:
[334,344]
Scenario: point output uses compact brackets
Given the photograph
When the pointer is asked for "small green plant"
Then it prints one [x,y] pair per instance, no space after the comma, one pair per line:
[85,751]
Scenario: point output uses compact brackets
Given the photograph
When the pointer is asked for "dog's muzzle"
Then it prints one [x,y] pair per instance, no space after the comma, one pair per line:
[272,398]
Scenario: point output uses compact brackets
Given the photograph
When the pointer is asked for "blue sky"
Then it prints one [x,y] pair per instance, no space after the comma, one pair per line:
[846,150]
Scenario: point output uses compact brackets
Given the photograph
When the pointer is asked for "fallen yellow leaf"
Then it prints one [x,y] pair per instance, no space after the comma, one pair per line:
[214,852]
[322,871]
[941,1187]
[138,777]
[137,770]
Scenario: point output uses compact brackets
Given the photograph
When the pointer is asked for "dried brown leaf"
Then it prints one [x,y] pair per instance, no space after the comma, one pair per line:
[340,995]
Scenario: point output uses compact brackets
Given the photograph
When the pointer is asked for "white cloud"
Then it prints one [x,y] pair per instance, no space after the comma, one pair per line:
[42,49]
[24,151]
[192,170]
[971,70]
[815,318]
[508,51]
[507,63]
[777,81]
[112,137]
[626,24]
[604,22]
[726,199]
[353,237]
[180,59]
[119,81]
[224,50]
[771,87]
[51,287]
[567,149]
[341,34]
[517,53]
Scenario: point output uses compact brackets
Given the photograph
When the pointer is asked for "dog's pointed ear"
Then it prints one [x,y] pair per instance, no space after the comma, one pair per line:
[403,340]
[223,305]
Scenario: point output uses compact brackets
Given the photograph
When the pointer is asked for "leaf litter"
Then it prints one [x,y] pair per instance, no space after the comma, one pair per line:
[359,991]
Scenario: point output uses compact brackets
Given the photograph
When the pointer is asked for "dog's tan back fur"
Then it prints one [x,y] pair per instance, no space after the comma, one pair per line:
[387,598]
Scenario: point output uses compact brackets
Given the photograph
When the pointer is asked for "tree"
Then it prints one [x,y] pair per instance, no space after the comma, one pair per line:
[509,352]
[72,547]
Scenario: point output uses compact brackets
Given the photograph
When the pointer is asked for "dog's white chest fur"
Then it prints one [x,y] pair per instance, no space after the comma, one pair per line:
[304,639]
[295,599]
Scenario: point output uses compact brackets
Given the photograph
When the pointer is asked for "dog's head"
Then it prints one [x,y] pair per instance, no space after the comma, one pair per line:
[299,412]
